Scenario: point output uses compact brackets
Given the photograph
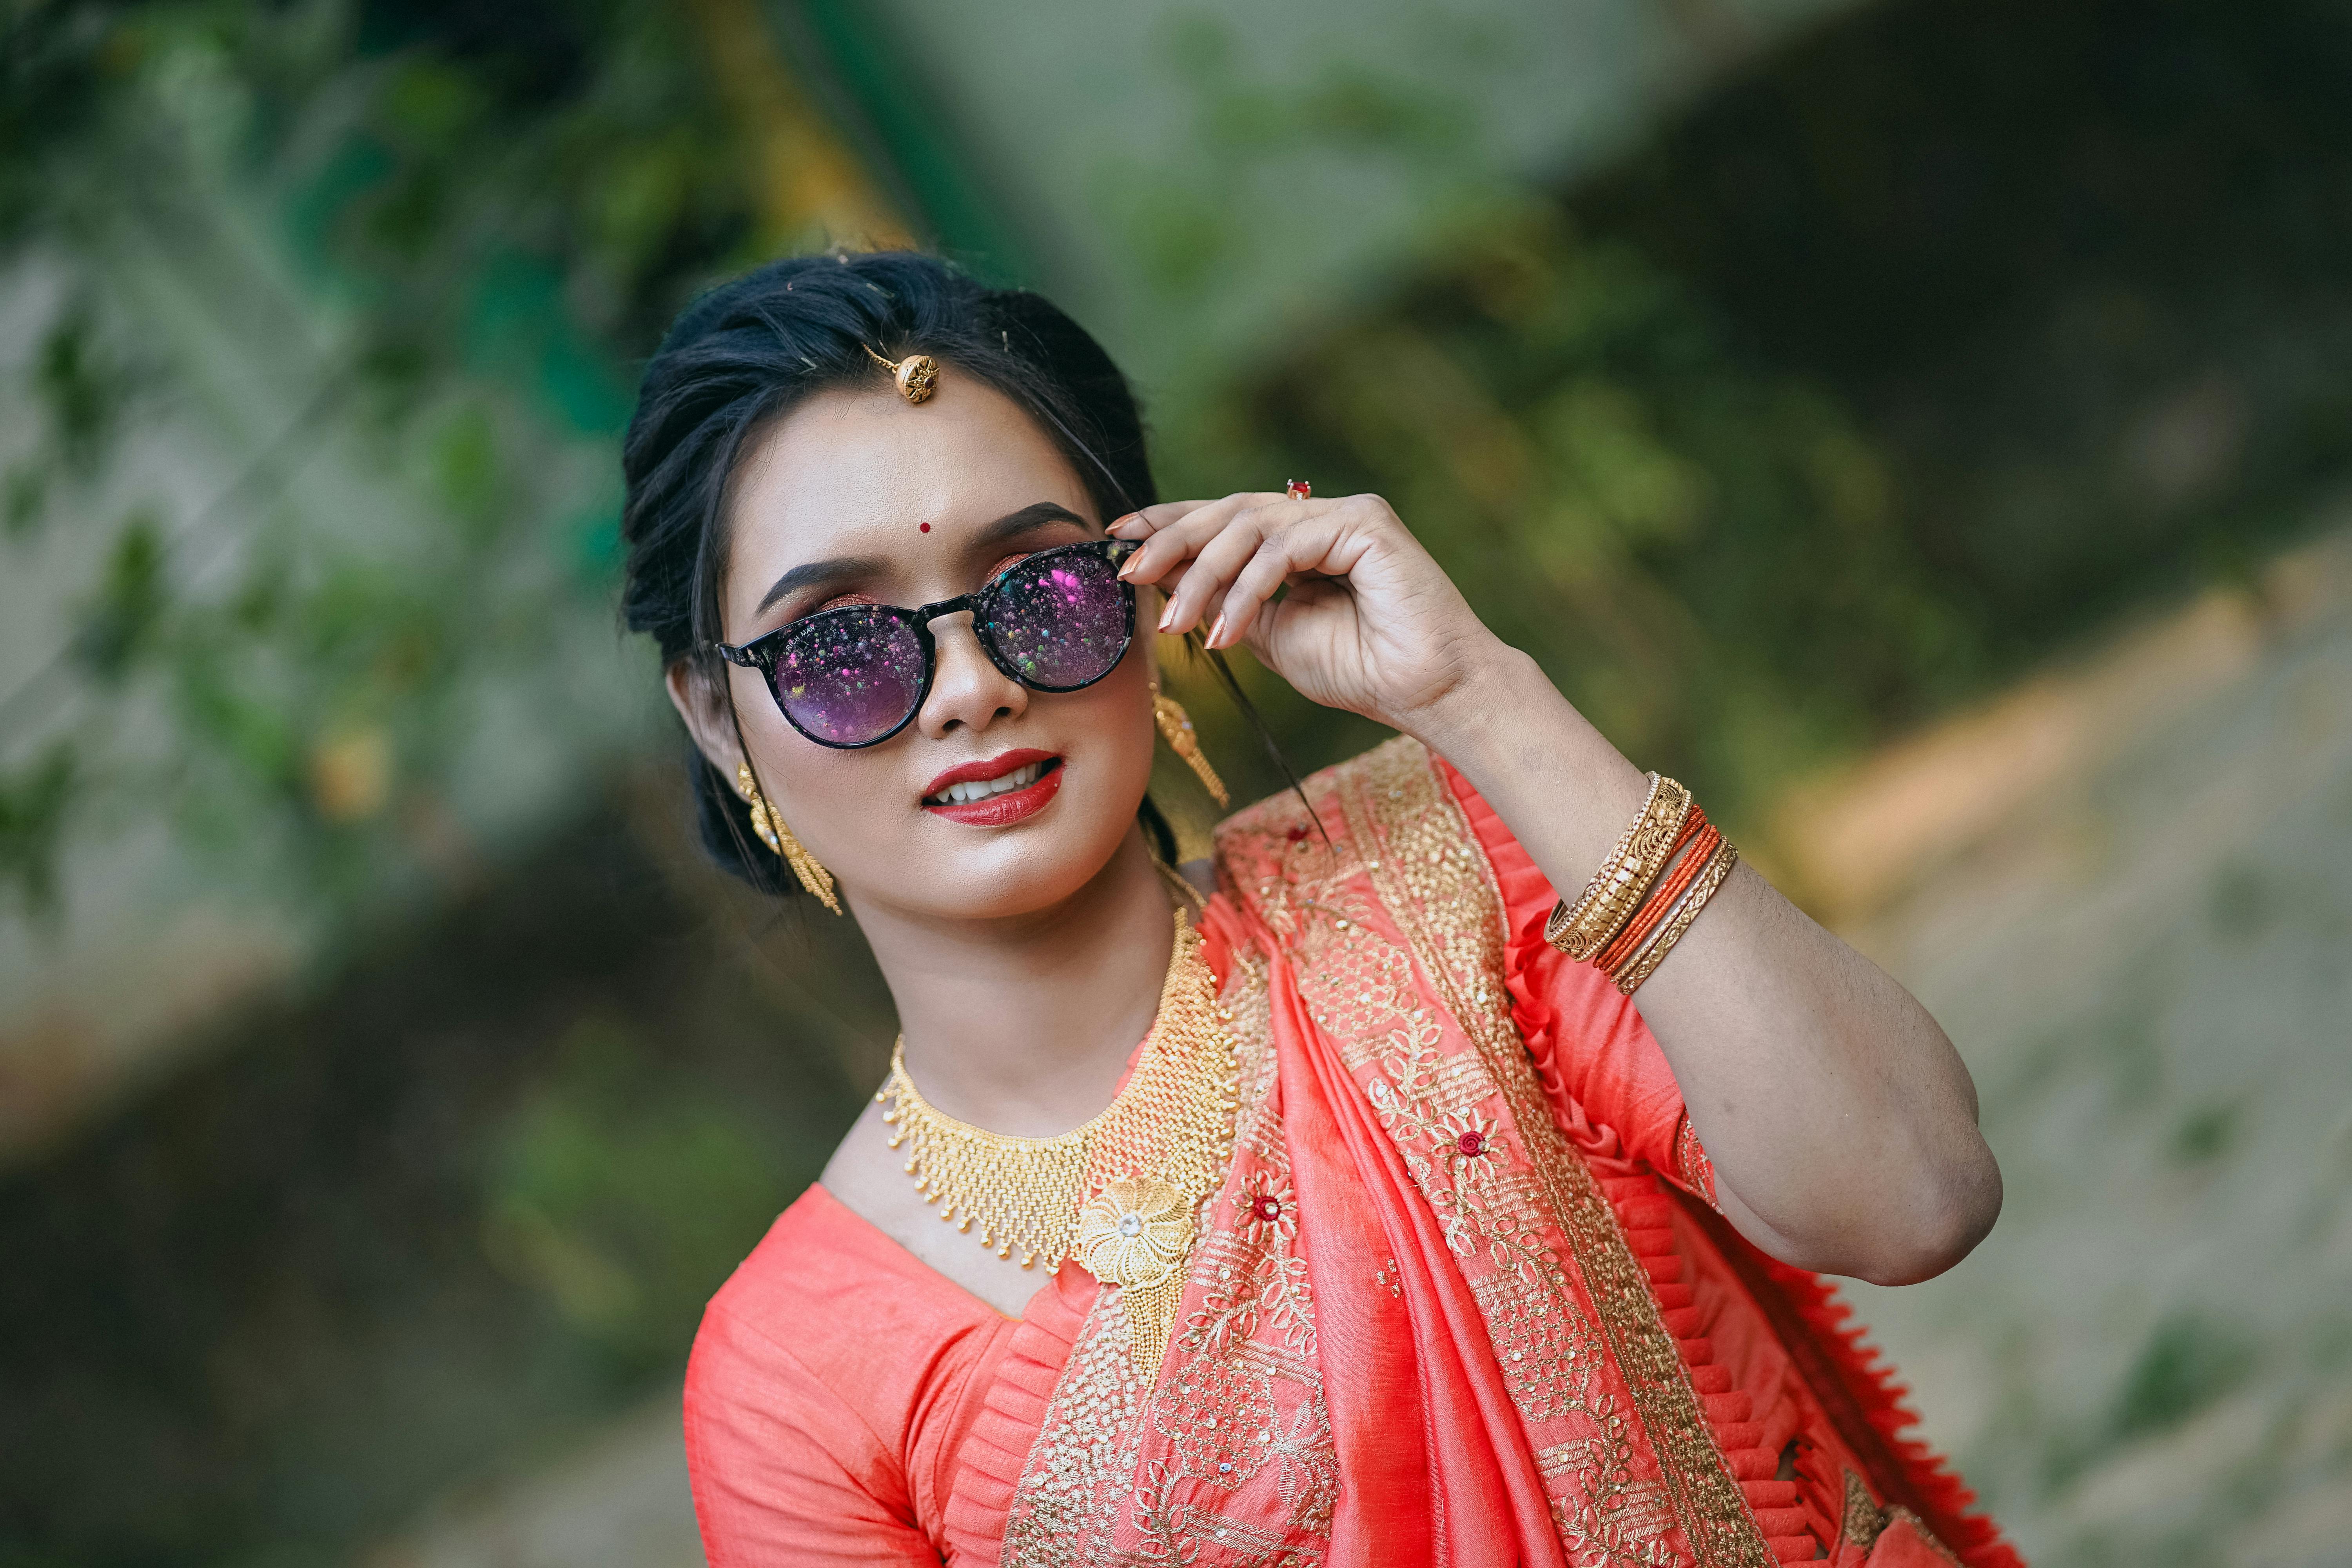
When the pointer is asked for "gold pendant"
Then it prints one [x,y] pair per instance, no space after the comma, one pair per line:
[1137,1234]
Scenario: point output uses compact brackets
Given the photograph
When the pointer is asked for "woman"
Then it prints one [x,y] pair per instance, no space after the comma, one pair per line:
[1396,1189]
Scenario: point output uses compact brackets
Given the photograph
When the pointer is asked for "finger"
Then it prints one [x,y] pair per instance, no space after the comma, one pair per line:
[1206,574]
[1143,523]
[1316,546]
[1150,520]
[1166,588]
[1179,538]
[1252,526]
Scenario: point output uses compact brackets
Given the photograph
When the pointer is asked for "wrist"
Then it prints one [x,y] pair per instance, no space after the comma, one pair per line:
[1468,718]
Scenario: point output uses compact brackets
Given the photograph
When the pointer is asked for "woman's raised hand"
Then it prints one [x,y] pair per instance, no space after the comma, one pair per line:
[1371,622]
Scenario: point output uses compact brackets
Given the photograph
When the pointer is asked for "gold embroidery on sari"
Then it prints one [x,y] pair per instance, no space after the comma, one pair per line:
[1065,1503]
[1866,1520]
[1251,1269]
[1691,1163]
[1219,1413]
[1411,840]
[1310,1477]
[1173,1531]
[1491,1209]
[1239,1390]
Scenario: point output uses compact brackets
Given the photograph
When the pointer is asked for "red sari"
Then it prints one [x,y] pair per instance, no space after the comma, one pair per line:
[1463,1298]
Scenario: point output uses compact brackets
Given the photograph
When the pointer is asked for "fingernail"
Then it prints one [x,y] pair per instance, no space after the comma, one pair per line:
[1127,567]
[1167,614]
[1216,633]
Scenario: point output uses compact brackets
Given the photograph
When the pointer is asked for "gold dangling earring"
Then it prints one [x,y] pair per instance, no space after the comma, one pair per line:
[1176,729]
[770,826]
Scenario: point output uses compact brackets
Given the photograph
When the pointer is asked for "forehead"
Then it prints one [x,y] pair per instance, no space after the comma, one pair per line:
[862,472]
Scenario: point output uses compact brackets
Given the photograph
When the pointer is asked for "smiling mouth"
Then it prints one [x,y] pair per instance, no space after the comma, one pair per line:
[972,790]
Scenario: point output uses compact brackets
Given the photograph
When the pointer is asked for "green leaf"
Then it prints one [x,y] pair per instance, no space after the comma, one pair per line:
[34,804]
[121,621]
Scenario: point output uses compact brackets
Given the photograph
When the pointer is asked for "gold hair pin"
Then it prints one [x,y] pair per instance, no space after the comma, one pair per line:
[917,375]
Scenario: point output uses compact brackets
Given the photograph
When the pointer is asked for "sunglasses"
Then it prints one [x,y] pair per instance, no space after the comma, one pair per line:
[1059,620]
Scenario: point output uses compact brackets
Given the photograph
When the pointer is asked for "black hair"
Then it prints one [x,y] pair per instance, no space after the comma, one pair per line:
[750,350]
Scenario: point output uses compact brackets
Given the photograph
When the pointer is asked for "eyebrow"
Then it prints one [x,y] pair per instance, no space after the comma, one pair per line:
[843,568]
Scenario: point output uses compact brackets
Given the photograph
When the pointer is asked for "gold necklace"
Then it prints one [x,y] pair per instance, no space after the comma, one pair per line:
[1117,1193]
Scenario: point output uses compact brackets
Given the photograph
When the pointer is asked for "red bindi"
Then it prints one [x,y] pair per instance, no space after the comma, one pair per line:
[922,528]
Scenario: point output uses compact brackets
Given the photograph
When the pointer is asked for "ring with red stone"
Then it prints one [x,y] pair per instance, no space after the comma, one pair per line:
[1298,489]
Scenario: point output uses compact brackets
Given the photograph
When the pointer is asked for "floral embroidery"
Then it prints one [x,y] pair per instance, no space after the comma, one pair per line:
[1220,1413]
[1252,1273]
[1265,1212]
[1473,1137]
[1310,1467]
[1570,1346]
[1239,1393]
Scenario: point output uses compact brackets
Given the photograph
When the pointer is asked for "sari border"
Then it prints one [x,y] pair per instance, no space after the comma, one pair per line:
[1456,927]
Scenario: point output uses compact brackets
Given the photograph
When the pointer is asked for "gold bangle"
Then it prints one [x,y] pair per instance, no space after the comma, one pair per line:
[1560,929]
[1624,878]
[1645,963]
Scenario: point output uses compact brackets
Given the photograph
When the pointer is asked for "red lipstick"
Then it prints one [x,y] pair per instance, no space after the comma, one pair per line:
[981,772]
[997,810]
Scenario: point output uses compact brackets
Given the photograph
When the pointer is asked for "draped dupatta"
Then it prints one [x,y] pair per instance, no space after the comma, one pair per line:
[1416,1329]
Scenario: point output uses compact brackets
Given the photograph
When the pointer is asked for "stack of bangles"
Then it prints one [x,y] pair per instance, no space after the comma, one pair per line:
[1645,895]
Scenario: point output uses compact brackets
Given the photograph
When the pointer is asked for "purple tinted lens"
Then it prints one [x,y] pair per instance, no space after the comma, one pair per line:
[850,676]
[1061,619]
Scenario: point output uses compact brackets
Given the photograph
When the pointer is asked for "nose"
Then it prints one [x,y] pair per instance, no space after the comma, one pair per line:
[969,692]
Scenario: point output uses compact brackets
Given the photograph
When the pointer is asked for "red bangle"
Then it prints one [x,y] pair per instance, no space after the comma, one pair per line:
[1701,839]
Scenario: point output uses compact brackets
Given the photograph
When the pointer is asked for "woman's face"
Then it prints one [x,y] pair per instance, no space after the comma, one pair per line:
[859,497]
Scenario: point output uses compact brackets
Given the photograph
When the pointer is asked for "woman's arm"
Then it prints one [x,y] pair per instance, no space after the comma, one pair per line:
[784,1473]
[1840,1121]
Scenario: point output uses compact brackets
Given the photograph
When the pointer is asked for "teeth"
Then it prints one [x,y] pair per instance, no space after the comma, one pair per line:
[981,789]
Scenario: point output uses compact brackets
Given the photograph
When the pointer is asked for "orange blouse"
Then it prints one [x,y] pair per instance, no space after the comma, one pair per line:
[845,1403]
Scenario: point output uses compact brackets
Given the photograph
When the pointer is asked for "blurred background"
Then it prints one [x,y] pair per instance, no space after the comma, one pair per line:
[1922,425]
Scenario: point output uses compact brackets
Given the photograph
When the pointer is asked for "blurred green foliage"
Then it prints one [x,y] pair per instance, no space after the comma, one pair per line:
[464,231]
[1907,359]
[1185,226]
[2187,1363]
[2073,268]
[624,1193]
[1705,551]
[32,801]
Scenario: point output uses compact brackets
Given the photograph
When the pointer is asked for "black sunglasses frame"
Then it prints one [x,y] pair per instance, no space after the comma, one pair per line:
[762,652]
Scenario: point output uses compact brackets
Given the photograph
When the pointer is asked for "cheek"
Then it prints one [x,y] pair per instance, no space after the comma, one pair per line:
[1117,723]
[1116,760]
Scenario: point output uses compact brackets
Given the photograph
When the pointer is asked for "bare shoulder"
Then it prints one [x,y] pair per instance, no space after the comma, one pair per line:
[869,1178]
